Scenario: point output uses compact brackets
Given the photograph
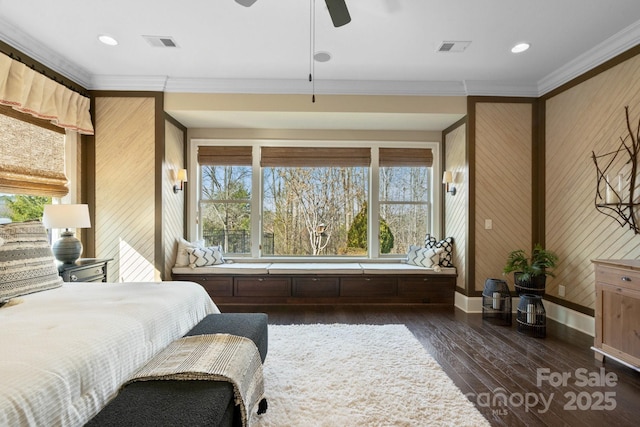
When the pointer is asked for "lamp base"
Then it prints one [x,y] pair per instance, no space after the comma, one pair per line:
[68,248]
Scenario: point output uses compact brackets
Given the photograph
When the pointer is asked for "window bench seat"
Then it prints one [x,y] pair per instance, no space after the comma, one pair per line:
[322,283]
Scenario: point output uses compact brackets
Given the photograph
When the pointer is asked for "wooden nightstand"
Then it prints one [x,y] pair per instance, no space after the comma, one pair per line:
[84,270]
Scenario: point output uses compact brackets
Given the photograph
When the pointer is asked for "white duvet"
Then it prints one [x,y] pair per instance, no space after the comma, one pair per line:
[65,352]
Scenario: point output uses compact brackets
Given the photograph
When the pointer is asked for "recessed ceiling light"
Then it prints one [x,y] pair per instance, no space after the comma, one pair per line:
[520,47]
[108,40]
[322,56]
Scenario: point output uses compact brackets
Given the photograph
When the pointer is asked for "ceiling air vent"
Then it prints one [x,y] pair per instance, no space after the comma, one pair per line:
[453,46]
[160,41]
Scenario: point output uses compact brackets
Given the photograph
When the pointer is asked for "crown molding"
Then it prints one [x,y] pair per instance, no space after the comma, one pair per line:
[491,88]
[128,83]
[23,42]
[613,46]
[608,49]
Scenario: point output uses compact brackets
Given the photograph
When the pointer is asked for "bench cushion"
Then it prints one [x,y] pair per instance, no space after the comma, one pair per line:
[250,325]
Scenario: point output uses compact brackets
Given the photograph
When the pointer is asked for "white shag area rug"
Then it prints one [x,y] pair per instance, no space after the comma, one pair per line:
[358,375]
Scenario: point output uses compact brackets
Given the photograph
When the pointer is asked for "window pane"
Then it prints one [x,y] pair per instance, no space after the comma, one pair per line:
[403,184]
[18,208]
[227,224]
[313,210]
[225,207]
[406,222]
[404,206]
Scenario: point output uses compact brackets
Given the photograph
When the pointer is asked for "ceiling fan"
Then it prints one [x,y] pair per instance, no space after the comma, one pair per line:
[337,10]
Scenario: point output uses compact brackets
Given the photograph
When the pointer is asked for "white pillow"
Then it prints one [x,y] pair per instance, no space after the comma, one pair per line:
[424,257]
[182,257]
[201,257]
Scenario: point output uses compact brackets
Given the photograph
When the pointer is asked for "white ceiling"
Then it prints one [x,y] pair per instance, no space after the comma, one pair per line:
[389,48]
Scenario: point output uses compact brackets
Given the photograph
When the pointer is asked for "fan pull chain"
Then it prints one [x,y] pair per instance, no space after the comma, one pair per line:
[312,46]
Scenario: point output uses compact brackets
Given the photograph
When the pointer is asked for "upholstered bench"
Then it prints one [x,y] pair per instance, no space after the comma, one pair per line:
[188,403]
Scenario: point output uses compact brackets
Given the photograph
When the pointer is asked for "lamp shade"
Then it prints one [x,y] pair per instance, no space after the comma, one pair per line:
[447,177]
[66,216]
[182,175]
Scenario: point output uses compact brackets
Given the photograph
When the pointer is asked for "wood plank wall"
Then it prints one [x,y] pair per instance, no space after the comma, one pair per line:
[585,118]
[173,204]
[503,186]
[125,186]
[456,210]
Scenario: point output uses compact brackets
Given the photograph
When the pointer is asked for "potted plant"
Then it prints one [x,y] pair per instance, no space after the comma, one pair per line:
[530,272]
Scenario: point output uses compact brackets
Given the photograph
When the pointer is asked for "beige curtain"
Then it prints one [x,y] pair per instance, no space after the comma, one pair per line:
[28,91]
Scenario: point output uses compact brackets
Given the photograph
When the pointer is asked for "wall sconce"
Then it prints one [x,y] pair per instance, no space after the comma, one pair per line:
[181,177]
[447,179]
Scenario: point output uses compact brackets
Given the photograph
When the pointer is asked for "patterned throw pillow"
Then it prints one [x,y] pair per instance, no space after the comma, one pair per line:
[201,257]
[27,264]
[446,259]
[182,256]
[423,257]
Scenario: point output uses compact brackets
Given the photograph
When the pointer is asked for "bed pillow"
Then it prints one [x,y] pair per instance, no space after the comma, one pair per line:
[182,256]
[446,258]
[202,257]
[424,257]
[27,264]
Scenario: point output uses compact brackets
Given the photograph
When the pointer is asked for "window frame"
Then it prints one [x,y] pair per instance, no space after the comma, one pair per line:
[193,228]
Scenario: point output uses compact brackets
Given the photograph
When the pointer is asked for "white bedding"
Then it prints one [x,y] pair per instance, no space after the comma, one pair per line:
[65,352]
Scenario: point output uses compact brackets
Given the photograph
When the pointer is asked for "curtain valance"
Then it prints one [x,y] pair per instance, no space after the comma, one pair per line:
[390,157]
[315,156]
[28,91]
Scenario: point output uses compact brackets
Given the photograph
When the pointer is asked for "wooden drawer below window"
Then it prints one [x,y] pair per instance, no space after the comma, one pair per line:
[319,287]
[262,287]
[368,287]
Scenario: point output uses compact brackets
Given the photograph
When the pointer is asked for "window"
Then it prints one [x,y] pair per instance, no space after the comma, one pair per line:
[405,202]
[269,200]
[32,160]
[312,198]
[225,198]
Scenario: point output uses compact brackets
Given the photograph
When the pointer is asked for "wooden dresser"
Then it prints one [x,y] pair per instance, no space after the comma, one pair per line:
[617,311]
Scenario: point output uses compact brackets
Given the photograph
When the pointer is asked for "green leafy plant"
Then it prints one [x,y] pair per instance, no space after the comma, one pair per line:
[542,262]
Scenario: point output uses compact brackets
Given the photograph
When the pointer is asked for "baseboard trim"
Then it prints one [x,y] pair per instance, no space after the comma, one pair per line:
[571,318]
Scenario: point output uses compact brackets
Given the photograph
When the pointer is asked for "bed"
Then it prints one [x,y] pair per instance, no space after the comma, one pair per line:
[65,352]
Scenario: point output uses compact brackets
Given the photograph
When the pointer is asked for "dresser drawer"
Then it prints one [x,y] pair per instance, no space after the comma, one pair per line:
[93,273]
[618,277]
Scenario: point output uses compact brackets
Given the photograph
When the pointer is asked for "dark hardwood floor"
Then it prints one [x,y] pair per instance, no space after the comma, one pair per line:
[513,379]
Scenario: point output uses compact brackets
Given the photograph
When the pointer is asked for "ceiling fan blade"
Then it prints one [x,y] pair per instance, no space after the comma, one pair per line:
[338,11]
[246,3]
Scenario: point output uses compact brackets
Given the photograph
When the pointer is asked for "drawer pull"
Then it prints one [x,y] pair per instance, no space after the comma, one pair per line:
[626,279]
[315,279]
[260,279]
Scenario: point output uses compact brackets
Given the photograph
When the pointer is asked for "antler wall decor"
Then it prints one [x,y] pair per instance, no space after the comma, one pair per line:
[612,201]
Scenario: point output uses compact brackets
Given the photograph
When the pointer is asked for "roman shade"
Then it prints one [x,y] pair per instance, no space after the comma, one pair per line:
[314,156]
[33,93]
[408,157]
[31,159]
[224,155]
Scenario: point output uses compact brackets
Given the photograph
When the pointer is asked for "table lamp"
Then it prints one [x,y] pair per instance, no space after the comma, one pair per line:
[68,248]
